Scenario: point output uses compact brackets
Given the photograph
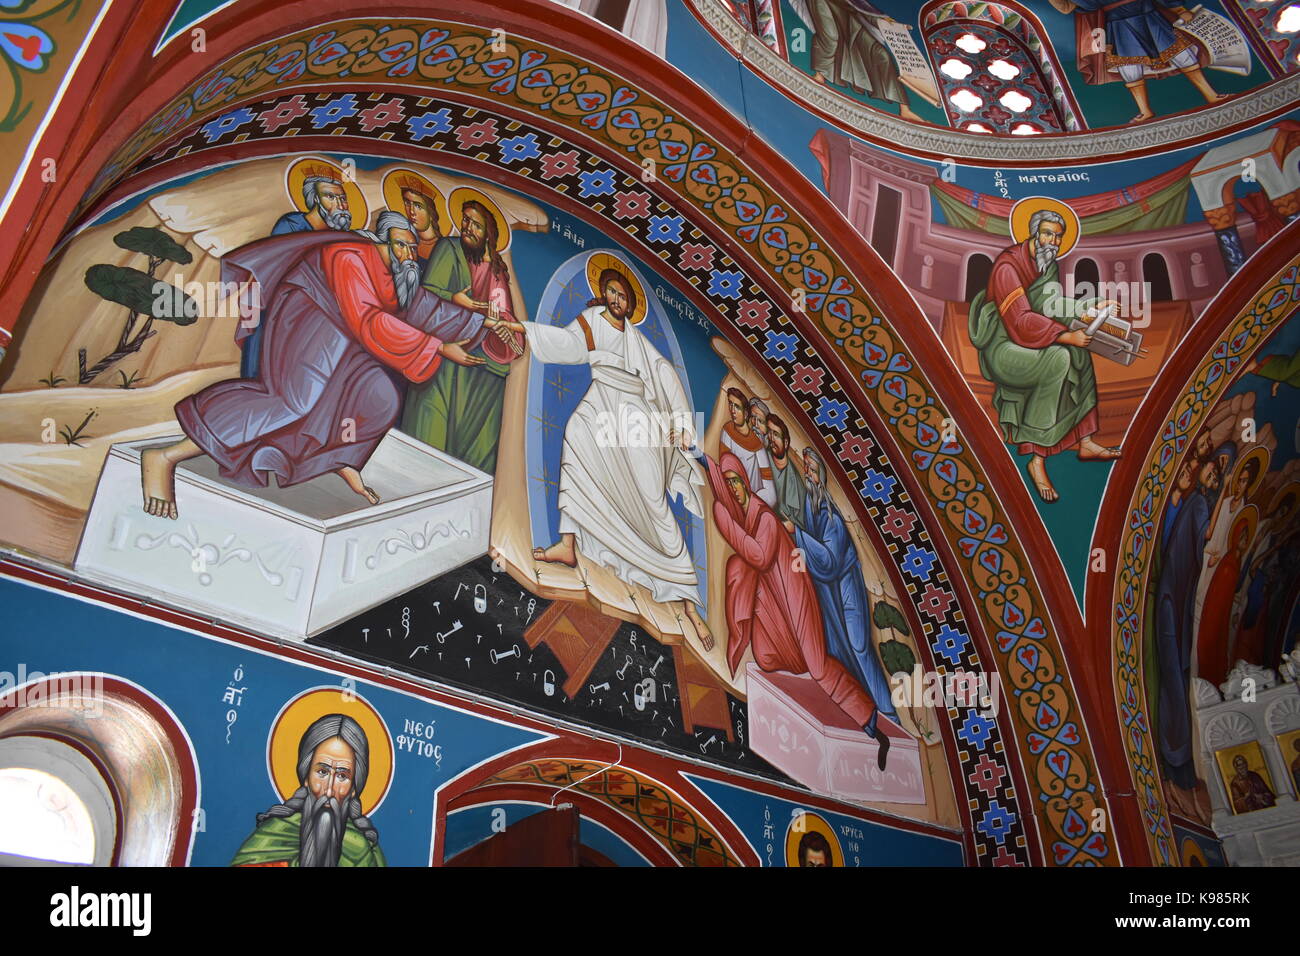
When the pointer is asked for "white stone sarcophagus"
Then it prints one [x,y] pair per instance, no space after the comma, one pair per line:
[796,728]
[286,562]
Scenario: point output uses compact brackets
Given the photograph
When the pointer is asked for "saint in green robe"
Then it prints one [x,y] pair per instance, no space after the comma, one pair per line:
[848,51]
[459,409]
[277,841]
[1046,393]
[1281,368]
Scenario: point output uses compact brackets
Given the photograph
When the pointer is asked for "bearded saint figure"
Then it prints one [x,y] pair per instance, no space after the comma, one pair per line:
[1248,789]
[458,410]
[832,560]
[322,823]
[327,209]
[1046,394]
[347,325]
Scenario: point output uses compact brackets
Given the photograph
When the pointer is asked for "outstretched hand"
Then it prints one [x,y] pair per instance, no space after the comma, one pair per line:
[456,352]
[506,331]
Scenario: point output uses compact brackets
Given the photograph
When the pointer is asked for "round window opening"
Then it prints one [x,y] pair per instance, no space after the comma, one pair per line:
[55,806]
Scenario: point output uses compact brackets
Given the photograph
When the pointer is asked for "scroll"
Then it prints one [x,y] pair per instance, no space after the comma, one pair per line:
[913,67]
[1219,36]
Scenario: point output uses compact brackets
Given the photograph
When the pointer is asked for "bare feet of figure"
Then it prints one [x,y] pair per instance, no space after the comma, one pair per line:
[158,482]
[1142,118]
[907,113]
[1038,472]
[353,478]
[562,552]
[1089,450]
[701,629]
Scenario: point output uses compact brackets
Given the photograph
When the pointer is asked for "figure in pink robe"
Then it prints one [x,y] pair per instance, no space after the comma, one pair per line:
[771,605]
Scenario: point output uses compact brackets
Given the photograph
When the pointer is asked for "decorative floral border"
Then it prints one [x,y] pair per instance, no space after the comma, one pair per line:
[1274,303]
[724,195]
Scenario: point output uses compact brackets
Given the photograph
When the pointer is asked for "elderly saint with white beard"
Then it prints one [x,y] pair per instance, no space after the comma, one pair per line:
[322,823]
[1046,394]
[347,325]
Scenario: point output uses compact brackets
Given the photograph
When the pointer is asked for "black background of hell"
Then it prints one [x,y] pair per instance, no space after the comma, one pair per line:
[404,633]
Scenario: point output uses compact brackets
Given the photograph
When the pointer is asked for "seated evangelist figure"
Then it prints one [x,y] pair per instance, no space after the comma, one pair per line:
[1046,390]
[347,325]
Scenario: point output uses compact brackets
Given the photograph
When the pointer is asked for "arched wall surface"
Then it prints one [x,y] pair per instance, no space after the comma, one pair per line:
[925,139]
[1006,603]
[1255,304]
[862,362]
[136,743]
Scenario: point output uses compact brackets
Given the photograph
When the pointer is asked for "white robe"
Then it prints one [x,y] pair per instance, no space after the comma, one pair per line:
[615,479]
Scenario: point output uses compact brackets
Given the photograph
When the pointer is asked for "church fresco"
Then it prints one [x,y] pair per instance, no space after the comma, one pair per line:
[661,454]
[331,759]
[550,480]
[1010,68]
[1221,584]
[1150,242]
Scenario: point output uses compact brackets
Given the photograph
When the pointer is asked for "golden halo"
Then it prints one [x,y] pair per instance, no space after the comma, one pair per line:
[1024,210]
[598,262]
[395,180]
[304,710]
[456,205]
[305,166]
[1248,515]
[811,823]
[1260,452]
[1192,854]
[1290,488]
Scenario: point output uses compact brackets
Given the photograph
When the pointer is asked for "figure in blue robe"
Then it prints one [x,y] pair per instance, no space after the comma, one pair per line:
[1138,30]
[832,561]
[1140,42]
[1181,556]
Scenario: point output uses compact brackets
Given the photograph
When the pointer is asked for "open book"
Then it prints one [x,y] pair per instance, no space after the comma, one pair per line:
[1112,337]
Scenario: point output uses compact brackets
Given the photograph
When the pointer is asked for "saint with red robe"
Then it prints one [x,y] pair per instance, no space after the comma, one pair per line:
[1214,635]
[771,605]
[1248,789]
[1046,391]
[740,438]
[346,326]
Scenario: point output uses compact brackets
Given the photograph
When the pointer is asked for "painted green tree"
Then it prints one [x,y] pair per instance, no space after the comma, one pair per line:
[897,657]
[139,292]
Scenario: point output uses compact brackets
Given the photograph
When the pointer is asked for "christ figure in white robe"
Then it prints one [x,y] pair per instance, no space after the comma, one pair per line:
[625,453]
